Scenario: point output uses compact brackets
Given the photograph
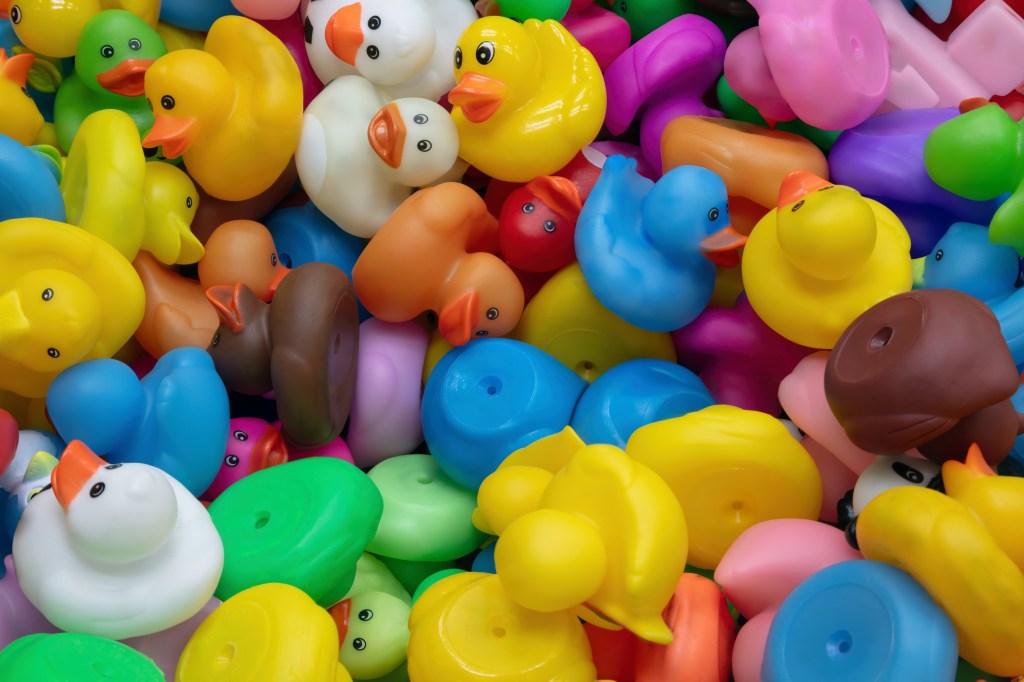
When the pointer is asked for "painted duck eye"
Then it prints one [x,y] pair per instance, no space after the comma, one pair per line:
[358,643]
[713,214]
[374,23]
[908,473]
[53,353]
[273,259]
[97,490]
[482,332]
[112,466]
[231,460]
[492,313]
[549,225]
[797,206]
[939,255]
[107,51]
[15,15]
[238,434]
[372,52]
[424,145]
[135,44]
[25,90]
[365,614]
[47,294]
[419,118]
[216,339]
[622,6]
[167,102]
[458,57]
[35,491]
[528,208]
[485,52]
[188,202]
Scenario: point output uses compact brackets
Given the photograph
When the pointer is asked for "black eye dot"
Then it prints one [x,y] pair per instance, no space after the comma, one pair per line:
[492,313]
[549,225]
[231,460]
[273,259]
[365,614]
[528,208]
[53,353]
[485,52]
[167,102]
[424,145]
[307,31]
[372,52]
[482,332]
[188,202]
[909,473]
[419,118]
[939,254]
[825,188]
[238,434]
[458,57]
[47,294]
[373,23]
[135,44]
[358,643]
[25,90]
[97,490]
[16,15]
[622,6]
[216,339]
[112,466]
[107,51]
[713,214]
[797,206]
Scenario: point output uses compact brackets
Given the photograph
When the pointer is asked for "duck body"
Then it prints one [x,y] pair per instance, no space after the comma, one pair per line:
[528,98]
[176,313]
[159,571]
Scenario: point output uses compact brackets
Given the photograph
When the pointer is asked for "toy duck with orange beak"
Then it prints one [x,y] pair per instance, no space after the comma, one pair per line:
[233,110]
[529,97]
[242,251]
[116,550]
[19,117]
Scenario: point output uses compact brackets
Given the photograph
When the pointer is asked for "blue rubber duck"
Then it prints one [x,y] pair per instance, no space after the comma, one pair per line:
[966,260]
[647,250]
[174,418]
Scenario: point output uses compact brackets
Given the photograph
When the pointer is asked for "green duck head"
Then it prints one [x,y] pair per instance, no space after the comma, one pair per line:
[114,51]
[373,630]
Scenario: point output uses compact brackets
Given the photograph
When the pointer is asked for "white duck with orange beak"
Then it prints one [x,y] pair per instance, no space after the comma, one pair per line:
[115,550]
[402,46]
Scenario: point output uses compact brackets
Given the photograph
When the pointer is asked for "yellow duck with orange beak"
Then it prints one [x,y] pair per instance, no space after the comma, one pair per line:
[233,110]
[19,117]
[528,98]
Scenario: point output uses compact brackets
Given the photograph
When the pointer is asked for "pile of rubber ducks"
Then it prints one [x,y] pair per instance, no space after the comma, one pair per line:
[512,340]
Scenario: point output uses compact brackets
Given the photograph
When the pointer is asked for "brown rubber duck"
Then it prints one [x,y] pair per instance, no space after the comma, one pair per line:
[927,369]
[302,346]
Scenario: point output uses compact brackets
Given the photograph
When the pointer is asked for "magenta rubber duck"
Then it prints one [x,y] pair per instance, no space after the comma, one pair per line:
[666,74]
[253,445]
[598,29]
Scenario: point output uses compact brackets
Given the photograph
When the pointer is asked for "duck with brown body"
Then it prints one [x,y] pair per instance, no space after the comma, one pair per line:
[302,346]
[927,369]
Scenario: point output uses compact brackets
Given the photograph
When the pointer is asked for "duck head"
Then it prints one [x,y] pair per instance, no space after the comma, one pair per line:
[116,513]
[114,51]
[965,259]
[49,320]
[537,224]
[241,346]
[253,445]
[826,231]
[19,116]
[242,251]
[35,479]
[373,632]
[488,302]
[387,42]
[171,201]
[416,138]
[497,63]
[48,27]
[191,95]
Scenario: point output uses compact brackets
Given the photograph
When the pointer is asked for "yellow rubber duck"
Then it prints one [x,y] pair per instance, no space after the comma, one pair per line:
[65,296]
[529,97]
[170,201]
[619,533]
[821,258]
[19,116]
[51,27]
[464,628]
[233,111]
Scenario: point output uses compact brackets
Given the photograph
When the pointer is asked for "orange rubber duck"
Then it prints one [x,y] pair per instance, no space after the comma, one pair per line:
[242,251]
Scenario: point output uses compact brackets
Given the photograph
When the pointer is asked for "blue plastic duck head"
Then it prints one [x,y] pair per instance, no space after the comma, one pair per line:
[965,260]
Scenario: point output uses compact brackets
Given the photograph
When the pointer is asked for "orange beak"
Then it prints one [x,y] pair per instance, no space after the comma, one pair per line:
[343,33]
[797,185]
[76,466]
[270,450]
[387,135]
[279,275]
[127,78]
[478,96]
[174,133]
[16,68]
[722,247]
[340,613]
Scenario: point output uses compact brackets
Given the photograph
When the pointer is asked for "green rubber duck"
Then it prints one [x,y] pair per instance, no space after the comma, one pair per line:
[373,628]
[114,51]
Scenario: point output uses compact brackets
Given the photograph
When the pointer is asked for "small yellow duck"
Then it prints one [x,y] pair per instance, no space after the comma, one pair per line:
[19,116]
[52,28]
[529,97]
[233,110]
[170,201]
[821,258]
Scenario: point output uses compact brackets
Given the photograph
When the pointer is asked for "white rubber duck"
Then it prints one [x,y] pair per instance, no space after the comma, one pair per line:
[405,47]
[360,156]
[116,550]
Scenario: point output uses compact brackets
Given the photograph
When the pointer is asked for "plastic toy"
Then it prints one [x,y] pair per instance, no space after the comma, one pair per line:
[304,523]
[646,16]
[958,11]
[170,201]
[634,394]
[899,403]
[266,9]
[737,356]
[253,445]
[67,297]
[53,28]
[302,346]
[19,448]
[426,514]
[736,108]
[20,116]
[405,49]
[661,237]
[195,15]
[242,251]
[976,156]
[373,630]
[114,51]
[337,449]
[483,401]
[860,620]
[721,458]
[821,258]
[157,570]
[28,182]
[214,212]
[474,293]
[232,111]
[75,656]
[174,418]
[271,630]
[945,548]
[360,156]
[303,234]
[521,10]
[528,98]
[177,313]
[35,476]
[20,617]
[523,646]
[666,74]
[290,31]
[966,260]
[836,78]
[601,32]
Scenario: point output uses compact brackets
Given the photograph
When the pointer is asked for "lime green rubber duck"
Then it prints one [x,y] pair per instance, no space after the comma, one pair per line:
[114,51]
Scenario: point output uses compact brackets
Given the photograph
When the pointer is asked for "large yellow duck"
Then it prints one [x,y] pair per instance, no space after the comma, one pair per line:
[19,116]
[821,258]
[528,98]
[52,27]
[65,296]
[233,111]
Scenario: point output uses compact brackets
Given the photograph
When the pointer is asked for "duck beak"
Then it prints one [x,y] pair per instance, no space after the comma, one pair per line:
[340,613]
[16,68]
[76,466]
[282,271]
[127,78]
[478,96]
[343,34]
[270,450]
[13,323]
[387,135]
[174,133]
[722,247]
[192,250]
[797,185]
